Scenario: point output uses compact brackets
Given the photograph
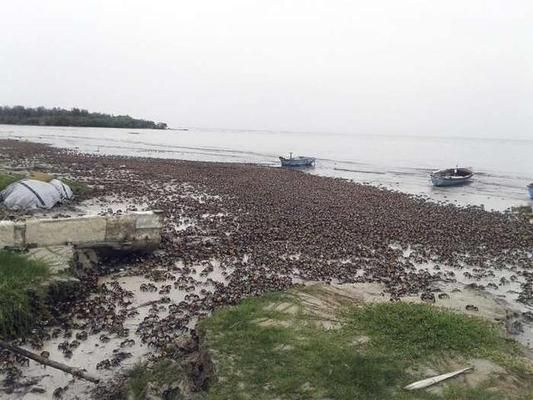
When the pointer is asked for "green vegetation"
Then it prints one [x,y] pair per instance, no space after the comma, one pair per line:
[456,393]
[264,352]
[78,188]
[19,279]
[414,331]
[20,115]
[7,179]
[163,372]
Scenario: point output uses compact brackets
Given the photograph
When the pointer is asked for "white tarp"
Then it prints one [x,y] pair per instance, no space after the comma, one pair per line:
[64,190]
[29,194]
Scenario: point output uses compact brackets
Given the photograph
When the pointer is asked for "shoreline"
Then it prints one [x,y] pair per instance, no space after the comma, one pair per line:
[253,229]
[500,183]
[338,194]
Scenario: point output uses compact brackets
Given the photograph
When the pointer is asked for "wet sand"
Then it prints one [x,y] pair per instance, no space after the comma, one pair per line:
[233,231]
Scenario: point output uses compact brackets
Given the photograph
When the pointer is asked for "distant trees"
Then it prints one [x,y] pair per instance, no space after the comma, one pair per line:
[19,115]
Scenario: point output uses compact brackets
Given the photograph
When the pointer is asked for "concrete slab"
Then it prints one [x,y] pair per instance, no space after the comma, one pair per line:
[20,234]
[151,235]
[49,232]
[141,227]
[7,234]
[59,258]
[148,220]
[120,227]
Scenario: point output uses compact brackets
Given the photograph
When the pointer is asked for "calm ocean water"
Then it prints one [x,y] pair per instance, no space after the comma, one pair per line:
[503,167]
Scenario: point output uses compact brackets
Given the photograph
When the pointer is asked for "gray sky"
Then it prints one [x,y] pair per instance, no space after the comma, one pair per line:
[454,67]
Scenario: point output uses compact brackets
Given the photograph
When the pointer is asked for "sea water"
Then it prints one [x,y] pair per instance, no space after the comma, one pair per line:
[503,167]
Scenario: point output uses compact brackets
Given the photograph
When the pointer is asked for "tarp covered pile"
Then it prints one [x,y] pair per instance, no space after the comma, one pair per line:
[30,193]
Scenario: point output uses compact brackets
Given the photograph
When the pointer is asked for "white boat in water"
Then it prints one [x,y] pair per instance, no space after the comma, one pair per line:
[297,161]
[451,176]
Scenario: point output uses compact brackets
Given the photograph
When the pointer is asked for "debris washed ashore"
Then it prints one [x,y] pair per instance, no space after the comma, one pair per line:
[241,222]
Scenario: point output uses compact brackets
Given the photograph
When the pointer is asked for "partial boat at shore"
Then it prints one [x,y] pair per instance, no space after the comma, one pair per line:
[297,162]
[451,176]
[530,190]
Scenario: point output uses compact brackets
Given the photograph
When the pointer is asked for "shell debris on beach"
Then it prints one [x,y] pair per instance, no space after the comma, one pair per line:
[232,231]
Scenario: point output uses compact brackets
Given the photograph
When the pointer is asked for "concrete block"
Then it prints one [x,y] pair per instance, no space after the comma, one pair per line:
[59,258]
[7,234]
[147,234]
[148,220]
[120,227]
[48,232]
[142,227]
[20,234]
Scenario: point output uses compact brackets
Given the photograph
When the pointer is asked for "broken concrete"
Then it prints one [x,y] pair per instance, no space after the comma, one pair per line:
[58,258]
[138,229]
[49,232]
[7,232]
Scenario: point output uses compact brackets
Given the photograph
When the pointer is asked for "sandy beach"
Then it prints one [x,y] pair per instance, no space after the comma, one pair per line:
[233,231]
[279,200]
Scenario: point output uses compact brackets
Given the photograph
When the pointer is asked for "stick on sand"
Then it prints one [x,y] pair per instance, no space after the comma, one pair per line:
[54,364]
[424,383]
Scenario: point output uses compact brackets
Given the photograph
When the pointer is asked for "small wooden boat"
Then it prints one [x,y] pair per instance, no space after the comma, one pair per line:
[530,190]
[451,176]
[297,162]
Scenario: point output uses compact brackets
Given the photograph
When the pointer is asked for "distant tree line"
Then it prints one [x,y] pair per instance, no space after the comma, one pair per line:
[19,115]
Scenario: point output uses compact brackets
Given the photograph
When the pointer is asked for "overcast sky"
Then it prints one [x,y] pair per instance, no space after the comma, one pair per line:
[448,67]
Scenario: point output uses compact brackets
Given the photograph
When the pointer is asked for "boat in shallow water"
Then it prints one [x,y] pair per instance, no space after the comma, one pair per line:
[530,190]
[451,176]
[297,162]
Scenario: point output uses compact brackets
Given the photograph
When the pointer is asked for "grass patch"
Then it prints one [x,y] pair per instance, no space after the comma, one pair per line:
[456,392]
[163,372]
[19,276]
[414,331]
[262,353]
[7,179]
[78,188]
[292,363]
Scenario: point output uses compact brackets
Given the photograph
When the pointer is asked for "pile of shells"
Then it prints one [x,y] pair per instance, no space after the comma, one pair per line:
[233,231]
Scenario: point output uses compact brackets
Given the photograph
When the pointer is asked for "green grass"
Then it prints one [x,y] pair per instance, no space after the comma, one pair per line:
[78,188]
[163,372]
[19,277]
[7,179]
[455,392]
[320,362]
[415,331]
[302,361]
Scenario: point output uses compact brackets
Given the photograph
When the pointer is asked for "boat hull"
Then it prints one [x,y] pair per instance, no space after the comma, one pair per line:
[440,182]
[297,162]
[451,177]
